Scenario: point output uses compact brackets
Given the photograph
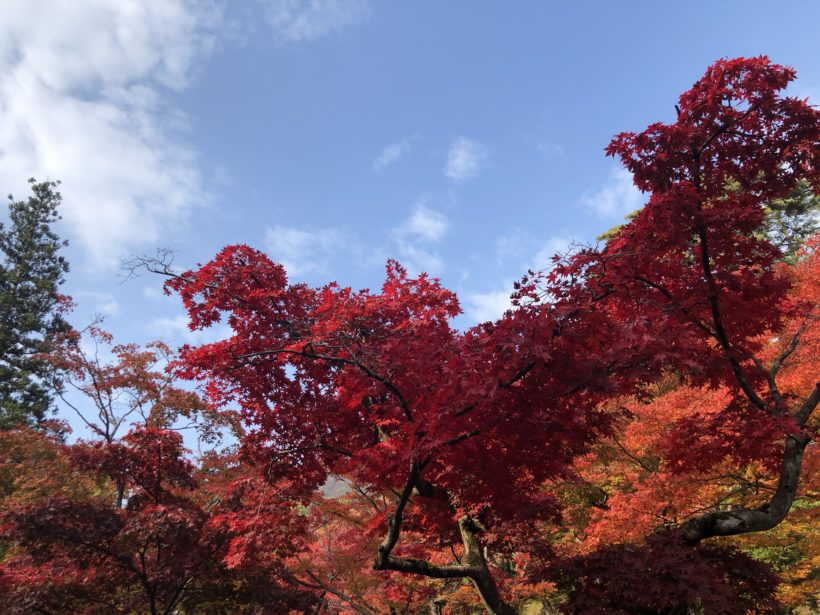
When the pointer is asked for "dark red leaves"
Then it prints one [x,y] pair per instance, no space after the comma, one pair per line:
[664,576]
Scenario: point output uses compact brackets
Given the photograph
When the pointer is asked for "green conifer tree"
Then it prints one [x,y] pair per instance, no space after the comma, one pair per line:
[31,271]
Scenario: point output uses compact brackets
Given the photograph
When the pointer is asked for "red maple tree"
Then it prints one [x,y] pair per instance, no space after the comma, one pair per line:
[466,428]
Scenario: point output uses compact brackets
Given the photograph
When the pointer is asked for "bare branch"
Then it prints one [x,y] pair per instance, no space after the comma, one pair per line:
[778,362]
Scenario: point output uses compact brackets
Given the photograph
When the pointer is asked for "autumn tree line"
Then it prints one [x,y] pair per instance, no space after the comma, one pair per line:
[636,435]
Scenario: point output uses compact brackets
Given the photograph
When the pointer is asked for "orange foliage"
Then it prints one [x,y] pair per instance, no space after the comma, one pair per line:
[628,488]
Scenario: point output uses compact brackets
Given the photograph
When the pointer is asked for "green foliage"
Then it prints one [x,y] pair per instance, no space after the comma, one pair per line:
[779,557]
[31,271]
[790,221]
[607,235]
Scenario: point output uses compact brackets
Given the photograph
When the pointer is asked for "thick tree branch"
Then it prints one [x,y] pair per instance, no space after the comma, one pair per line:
[395,519]
[730,523]
[717,319]
[808,406]
[517,376]
[473,565]
[462,437]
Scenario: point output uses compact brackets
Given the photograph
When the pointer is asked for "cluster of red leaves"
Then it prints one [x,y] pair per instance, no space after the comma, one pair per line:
[361,384]
[663,576]
[166,548]
[677,453]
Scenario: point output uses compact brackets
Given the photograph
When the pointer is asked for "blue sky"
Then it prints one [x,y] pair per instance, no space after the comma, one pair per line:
[461,138]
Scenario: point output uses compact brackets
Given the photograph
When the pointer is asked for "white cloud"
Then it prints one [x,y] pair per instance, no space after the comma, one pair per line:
[416,237]
[102,304]
[153,292]
[391,153]
[305,252]
[174,330]
[425,224]
[511,245]
[616,198]
[465,159]
[559,244]
[550,150]
[296,21]
[483,307]
[82,99]
[314,251]
[417,259]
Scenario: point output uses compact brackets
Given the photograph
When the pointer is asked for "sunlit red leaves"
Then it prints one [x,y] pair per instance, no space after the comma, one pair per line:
[740,128]
[362,383]
[684,449]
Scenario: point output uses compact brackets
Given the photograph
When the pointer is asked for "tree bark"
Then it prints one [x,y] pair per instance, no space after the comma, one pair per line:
[481,577]
[729,523]
[743,521]
[473,565]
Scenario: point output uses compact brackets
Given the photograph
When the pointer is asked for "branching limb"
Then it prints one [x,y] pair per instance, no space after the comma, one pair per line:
[357,605]
[473,564]
[730,523]
[717,320]
[778,362]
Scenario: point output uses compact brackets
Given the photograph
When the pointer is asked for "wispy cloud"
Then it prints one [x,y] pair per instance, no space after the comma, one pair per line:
[391,153]
[296,21]
[153,293]
[616,198]
[490,305]
[556,245]
[550,150]
[100,304]
[416,238]
[305,251]
[83,89]
[465,158]
[511,245]
[425,224]
[483,307]
[175,330]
